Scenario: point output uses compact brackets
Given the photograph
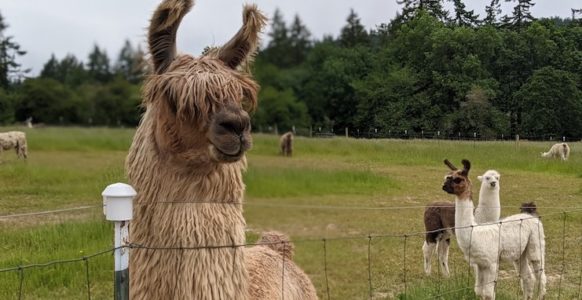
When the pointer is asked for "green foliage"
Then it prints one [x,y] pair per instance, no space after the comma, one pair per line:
[281,109]
[552,102]
[9,51]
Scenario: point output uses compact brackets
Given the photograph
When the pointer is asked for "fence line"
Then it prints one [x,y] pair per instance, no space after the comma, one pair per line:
[370,237]
[276,205]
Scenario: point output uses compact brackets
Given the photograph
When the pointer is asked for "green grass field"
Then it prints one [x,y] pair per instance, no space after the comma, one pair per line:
[343,190]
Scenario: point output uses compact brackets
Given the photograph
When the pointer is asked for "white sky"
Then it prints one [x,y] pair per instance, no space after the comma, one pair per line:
[43,27]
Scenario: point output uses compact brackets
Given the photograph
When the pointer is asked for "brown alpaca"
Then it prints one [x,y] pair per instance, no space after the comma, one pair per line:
[286,144]
[186,163]
[266,275]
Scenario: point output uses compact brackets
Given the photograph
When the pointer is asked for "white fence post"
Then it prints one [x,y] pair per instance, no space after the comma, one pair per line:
[118,207]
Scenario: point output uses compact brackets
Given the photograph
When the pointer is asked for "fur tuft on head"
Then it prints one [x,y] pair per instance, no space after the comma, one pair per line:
[529,208]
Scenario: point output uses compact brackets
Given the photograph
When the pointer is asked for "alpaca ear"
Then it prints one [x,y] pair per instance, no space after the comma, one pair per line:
[162,32]
[245,42]
[480,178]
[466,167]
[450,165]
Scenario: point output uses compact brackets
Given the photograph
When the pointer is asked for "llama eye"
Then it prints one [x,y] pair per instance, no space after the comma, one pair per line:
[487,177]
[457,180]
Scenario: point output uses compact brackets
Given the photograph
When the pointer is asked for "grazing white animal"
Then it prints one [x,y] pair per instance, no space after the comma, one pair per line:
[14,140]
[518,239]
[439,220]
[559,150]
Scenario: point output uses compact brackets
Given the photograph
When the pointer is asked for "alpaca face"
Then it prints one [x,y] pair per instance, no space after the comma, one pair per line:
[457,181]
[490,180]
[199,104]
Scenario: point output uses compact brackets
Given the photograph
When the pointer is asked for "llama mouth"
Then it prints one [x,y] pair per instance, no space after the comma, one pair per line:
[223,156]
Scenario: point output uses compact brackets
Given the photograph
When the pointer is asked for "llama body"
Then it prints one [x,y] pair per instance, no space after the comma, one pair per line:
[559,150]
[186,163]
[439,219]
[14,140]
[286,144]
[518,238]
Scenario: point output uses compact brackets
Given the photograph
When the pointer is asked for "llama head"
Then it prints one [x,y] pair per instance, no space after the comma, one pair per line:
[529,208]
[457,181]
[200,105]
[490,180]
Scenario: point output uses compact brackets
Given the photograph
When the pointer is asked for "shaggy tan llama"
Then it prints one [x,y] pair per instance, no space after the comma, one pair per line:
[186,163]
[14,140]
[286,144]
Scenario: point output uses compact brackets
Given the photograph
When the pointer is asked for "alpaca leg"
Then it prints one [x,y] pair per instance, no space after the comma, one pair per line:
[443,253]
[488,281]
[527,279]
[540,276]
[478,281]
[428,250]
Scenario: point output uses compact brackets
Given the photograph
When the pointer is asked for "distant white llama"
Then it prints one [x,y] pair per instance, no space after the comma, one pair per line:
[518,239]
[559,150]
[14,140]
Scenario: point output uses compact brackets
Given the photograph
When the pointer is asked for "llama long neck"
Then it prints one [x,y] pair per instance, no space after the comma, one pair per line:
[464,220]
[489,207]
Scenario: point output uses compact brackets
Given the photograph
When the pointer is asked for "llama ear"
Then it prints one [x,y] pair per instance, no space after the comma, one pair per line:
[245,42]
[162,32]
[480,178]
[450,165]
[466,167]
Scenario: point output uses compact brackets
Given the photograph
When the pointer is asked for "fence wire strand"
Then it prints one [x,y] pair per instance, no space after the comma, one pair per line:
[85,259]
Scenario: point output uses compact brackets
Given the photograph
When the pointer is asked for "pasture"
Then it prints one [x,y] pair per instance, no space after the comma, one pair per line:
[364,197]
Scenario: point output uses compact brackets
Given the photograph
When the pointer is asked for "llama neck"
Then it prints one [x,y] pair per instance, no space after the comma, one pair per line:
[488,209]
[464,220]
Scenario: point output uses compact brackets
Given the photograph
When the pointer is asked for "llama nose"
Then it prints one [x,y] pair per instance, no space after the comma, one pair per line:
[493,184]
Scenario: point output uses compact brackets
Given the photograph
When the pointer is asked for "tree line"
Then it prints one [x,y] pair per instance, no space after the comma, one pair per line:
[425,70]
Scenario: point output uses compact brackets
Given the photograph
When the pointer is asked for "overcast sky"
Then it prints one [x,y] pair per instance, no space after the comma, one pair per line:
[43,27]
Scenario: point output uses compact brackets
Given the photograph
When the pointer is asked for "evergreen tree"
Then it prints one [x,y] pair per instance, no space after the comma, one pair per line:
[353,33]
[279,43]
[9,51]
[98,65]
[492,11]
[130,63]
[521,14]
[299,40]
[462,16]
[433,7]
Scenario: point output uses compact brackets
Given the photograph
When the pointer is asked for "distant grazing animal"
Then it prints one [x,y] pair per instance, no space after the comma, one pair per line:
[14,140]
[186,163]
[439,220]
[559,150]
[518,239]
[286,144]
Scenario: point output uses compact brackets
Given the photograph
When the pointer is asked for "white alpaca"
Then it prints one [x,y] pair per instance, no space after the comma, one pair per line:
[14,140]
[559,150]
[441,215]
[489,208]
[518,238]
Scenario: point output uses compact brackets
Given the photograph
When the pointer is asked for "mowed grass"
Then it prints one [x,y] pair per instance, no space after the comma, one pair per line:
[355,204]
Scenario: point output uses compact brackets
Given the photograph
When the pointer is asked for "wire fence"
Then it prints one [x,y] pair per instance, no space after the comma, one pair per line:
[390,264]
[406,133]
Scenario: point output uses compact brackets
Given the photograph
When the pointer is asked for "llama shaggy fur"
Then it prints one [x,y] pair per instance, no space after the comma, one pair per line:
[286,144]
[272,272]
[186,163]
[518,239]
[14,140]
[559,150]
[439,220]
